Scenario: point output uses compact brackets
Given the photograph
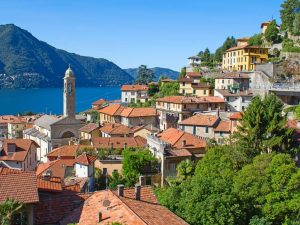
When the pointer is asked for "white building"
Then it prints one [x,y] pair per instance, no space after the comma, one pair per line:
[235,101]
[134,93]
[19,154]
[194,61]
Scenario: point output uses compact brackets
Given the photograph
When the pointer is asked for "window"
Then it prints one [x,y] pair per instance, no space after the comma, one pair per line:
[206,129]
[194,130]
[194,91]
[184,106]
[183,83]
[204,91]
[104,171]
[183,91]
[221,134]
[222,81]
[126,99]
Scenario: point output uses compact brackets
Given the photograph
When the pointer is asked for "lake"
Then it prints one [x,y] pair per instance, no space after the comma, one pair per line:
[50,100]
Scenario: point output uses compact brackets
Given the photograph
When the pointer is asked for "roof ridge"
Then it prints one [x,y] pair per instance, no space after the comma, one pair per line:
[180,136]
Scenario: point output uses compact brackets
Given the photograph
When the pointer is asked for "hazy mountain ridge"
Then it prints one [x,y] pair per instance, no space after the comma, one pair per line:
[158,71]
[27,62]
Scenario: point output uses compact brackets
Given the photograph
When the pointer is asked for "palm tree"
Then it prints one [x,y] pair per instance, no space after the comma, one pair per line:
[8,210]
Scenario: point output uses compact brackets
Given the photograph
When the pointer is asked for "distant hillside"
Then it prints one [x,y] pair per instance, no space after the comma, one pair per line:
[158,71]
[27,62]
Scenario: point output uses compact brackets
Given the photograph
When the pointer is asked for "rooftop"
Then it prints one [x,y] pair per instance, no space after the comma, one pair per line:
[16,149]
[135,87]
[116,129]
[236,116]
[46,121]
[200,120]
[138,112]
[64,151]
[100,101]
[191,100]
[58,168]
[85,159]
[112,110]
[176,138]
[223,126]
[88,128]
[227,93]
[245,47]
[20,185]
[119,142]
[233,76]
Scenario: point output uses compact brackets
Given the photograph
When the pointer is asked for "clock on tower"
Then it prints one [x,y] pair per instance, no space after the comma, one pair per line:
[69,93]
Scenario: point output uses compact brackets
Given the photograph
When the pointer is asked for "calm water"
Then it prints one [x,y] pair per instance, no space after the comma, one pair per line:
[49,100]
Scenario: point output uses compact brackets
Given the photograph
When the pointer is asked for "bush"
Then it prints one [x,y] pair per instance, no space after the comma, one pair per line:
[288,46]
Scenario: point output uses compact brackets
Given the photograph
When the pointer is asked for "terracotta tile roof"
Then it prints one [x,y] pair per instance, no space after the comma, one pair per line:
[236,116]
[22,147]
[64,151]
[167,80]
[227,93]
[202,85]
[119,142]
[88,128]
[233,76]
[125,210]
[243,39]
[176,137]
[223,126]
[244,47]
[58,167]
[194,74]
[135,87]
[191,100]
[22,186]
[85,159]
[100,101]
[179,153]
[112,110]
[116,129]
[53,206]
[200,120]
[138,112]
[51,184]
[6,171]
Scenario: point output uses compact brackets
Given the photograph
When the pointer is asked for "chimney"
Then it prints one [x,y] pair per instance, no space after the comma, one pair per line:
[142,180]
[183,143]
[137,192]
[120,191]
[99,217]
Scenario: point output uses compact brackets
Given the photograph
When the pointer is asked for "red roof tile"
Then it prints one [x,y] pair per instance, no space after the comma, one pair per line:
[64,151]
[21,186]
[88,128]
[112,110]
[138,112]
[223,126]
[22,147]
[116,129]
[85,159]
[51,184]
[119,142]
[200,120]
[57,167]
[135,87]
[176,138]
[236,116]
[100,101]
[191,100]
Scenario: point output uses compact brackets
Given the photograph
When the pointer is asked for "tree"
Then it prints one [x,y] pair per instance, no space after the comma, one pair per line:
[271,33]
[134,164]
[9,211]
[168,89]
[185,169]
[182,72]
[115,180]
[145,75]
[228,43]
[256,40]
[269,188]
[263,128]
[288,14]
[296,24]
[153,89]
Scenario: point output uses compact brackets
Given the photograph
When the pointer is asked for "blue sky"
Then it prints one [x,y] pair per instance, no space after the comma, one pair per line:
[134,32]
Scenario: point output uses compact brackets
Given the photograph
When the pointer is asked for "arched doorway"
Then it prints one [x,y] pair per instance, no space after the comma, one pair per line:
[68,134]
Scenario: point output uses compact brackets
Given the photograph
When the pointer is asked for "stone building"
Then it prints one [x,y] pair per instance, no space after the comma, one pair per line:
[51,132]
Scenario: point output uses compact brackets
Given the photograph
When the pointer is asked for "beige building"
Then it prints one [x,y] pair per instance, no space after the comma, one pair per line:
[237,81]
[189,87]
[173,109]
[109,165]
[89,131]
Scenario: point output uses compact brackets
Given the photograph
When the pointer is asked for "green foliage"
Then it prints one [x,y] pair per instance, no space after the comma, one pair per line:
[10,212]
[270,187]
[229,43]
[263,128]
[145,75]
[297,112]
[289,46]
[271,33]
[153,89]
[115,180]
[168,89]
[256,40]
[95,117]
[288,14]
[185,170]
[36,64]
[296,24]
[135,163]
[182,72]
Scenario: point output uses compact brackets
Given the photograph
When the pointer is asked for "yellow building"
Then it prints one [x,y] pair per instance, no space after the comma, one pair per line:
[243,57]
[189,87]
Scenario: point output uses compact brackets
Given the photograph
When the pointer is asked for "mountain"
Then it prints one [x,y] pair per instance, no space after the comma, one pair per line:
[27,62]
[158,71]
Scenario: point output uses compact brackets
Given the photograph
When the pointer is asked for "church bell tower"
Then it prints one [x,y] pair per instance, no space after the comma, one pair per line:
[69,93]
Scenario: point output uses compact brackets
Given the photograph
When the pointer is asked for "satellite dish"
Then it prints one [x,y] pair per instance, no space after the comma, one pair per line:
[106,203]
